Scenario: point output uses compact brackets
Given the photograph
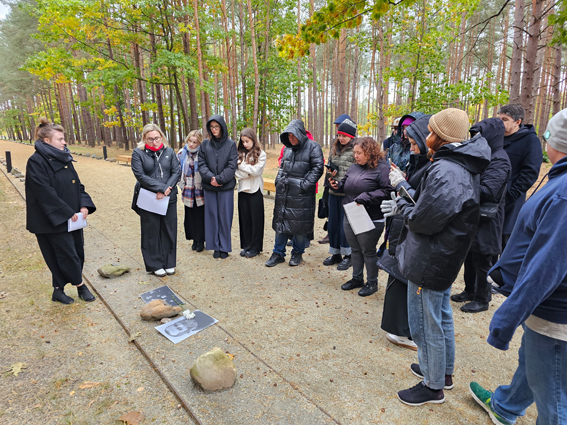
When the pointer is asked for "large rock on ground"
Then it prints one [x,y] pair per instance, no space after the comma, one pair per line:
[112,270]
[157,310]
[214,370]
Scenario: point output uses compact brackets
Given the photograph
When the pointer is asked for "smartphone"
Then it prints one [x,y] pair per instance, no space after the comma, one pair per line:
[405,194]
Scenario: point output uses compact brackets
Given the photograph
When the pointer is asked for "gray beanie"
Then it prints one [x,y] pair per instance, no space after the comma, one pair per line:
[556,133]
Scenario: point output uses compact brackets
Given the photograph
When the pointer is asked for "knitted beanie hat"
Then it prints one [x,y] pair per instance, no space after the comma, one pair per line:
[556,132]
[348,128]
[451,125]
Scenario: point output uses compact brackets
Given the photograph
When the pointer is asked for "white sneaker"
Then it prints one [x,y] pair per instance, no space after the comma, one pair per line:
[160,273]
[402,341]
[170,271]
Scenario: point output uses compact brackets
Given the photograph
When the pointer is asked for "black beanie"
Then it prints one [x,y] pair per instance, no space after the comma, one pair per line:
[348,128]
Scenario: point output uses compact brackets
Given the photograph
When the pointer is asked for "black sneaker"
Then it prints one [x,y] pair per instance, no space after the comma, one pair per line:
[368,289]
[243,253]
[295,259]
[61,297]
[200,246]
[352,284]
[223,255]
[421,394]
[332,260]
[274,260]
[85,294]
[417,372]
[345,264]
[474,307]
[251,254]
[216,254]
[462,297]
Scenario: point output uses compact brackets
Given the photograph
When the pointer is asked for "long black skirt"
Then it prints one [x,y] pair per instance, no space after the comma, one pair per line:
[195,223]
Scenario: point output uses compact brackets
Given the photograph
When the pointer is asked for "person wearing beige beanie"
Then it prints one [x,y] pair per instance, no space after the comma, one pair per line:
[441,225]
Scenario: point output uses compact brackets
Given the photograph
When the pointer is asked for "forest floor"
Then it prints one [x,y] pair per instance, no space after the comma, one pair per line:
[306,352]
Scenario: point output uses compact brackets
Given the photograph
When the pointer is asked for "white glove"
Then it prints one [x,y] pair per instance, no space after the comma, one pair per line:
[396,176]
[390,208]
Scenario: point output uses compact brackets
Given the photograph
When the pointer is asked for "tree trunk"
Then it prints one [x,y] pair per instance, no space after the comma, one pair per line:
[557,79]
[87,119]
[204,115]
[243,61]
[517,47]
[341,100]
[255,61]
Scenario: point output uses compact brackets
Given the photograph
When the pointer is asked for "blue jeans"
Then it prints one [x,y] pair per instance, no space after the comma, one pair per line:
[540,377]
[338,243]
[431,325]
[298,241]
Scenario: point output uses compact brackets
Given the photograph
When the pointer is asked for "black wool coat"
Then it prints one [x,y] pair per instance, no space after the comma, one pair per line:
[54,192]
[493,183]
[300,169]
[166,175]
[218,159]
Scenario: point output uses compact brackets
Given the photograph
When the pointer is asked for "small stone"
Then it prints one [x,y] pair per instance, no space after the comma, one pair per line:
[157,310]
[165,320]
[93,155]
[111,159]
[214,370]
[112,270]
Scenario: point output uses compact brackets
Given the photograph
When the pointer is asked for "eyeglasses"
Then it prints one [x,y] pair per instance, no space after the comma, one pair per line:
[215,127]
[156,139]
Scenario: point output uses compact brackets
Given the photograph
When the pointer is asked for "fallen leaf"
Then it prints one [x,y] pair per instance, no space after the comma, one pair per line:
[134,336]
[88,385]
[140,389]
[131,418]
[3,295]
[72,392]
[16,368]
[231,356]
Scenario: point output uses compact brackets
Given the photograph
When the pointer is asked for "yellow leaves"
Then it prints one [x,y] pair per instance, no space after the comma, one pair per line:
[16,368]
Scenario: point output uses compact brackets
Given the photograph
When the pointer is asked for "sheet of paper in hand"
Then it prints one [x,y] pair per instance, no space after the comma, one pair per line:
[148,201]
[181,328]
[358,218]
[162,293]
[79,224]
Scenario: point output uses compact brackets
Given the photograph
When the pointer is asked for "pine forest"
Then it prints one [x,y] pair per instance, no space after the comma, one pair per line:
[105,68]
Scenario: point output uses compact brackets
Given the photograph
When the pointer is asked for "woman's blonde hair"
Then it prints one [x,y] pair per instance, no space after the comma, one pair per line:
[45,129]
[195,133]
[151,127]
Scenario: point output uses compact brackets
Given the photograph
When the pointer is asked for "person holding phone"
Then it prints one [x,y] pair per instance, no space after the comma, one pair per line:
[366,182]
[340,160]
[438,231]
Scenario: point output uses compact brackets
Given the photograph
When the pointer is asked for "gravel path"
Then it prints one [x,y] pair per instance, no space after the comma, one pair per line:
[306,352]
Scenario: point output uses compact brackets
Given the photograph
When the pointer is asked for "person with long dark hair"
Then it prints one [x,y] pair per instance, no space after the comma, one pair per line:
[251,163]
[218,161]
[366,182]
[157,170]
[55,195]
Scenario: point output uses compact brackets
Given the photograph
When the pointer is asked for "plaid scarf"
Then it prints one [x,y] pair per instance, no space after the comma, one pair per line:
[192,189]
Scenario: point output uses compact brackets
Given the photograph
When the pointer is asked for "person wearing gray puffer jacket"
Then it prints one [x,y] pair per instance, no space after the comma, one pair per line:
[294,209]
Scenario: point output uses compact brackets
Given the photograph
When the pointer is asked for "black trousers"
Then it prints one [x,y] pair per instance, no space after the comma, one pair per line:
[395,312]
[195,223]
[159,238]
[476,271]
[251,220]
[64,255]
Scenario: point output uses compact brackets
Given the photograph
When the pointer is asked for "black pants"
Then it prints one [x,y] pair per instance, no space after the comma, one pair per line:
[159,238]
[476,271]
[363,248]
[395,312]
[64,255]
[251,220]
[195,223]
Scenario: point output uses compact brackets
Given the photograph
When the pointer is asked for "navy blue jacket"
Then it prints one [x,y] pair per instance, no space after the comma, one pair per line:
[524,150]
[533,266]
[488,239]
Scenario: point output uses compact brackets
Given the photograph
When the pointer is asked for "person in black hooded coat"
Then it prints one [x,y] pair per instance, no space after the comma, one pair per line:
[54,195]
[294,210]
[399,145]
[487,243]
[218,161]
[395,312]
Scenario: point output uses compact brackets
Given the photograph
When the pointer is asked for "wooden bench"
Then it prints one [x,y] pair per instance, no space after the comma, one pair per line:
[270,186]
[123,158]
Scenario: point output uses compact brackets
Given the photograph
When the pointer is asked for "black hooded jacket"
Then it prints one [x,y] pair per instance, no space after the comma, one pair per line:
[417,166]
[218,158]
[399,150]
[524,150]
[54,192]
[440,227]
[300,169]
[493,183]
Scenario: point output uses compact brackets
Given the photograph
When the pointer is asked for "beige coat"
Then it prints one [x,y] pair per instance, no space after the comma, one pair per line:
[250,176]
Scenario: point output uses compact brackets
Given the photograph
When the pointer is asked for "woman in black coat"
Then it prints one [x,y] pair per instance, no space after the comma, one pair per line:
[488,240]
[157,170]
[218,161]
[395,312]
[55,195]
[366,182]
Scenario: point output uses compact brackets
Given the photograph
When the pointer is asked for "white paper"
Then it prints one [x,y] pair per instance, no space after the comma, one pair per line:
[149,202]
[181,328]
[79,224]
[358,218]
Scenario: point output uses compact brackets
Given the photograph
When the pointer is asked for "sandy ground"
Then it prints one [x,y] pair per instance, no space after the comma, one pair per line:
[306,352]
